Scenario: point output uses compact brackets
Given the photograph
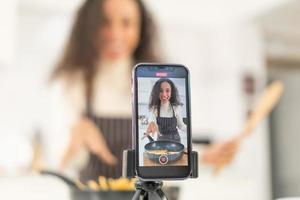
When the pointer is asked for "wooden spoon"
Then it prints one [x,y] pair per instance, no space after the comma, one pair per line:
[266,103]
[222,153]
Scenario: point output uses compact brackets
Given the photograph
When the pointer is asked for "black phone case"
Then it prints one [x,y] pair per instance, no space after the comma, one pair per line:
[135,128]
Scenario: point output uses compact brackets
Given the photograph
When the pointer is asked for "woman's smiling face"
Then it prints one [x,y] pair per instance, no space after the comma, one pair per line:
[119,34]
[165,92]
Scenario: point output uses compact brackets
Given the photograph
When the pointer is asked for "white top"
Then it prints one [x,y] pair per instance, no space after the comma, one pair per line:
[167,111]
[66,102]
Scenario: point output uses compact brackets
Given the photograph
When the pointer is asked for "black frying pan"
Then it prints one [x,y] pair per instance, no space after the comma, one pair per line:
[163,151]
[88,194]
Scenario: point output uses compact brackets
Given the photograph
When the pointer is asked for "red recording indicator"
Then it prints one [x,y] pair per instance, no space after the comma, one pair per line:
[161,74]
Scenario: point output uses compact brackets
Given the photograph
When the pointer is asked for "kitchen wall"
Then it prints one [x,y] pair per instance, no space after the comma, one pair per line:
[8,36]
[10,125]
[283,50]
[218,58]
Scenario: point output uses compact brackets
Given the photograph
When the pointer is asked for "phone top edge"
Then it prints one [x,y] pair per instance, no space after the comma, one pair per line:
[161,64]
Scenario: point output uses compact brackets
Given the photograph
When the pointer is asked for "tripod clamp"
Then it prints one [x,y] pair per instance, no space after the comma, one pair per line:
[150,190]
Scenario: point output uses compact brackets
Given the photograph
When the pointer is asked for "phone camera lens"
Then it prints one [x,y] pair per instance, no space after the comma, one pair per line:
[163,159]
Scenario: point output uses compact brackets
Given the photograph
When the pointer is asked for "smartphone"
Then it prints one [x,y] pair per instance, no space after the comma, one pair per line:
[161,121]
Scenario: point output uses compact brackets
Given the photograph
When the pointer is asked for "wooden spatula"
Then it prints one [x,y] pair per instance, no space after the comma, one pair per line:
[220,154]
[265,105]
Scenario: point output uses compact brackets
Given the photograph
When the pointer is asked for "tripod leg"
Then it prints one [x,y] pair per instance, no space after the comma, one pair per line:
[161,194]
[137,195]
[156,195]
[144,195]
[140,194]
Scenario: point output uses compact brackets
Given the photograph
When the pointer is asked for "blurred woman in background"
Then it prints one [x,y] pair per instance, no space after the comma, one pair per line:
[108,38]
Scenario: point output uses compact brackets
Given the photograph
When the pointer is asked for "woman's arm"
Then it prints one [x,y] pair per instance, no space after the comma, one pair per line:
[181,125]
[152,126]
[220,154]
[85,134]
[152,116]
[71,131]
[62,107]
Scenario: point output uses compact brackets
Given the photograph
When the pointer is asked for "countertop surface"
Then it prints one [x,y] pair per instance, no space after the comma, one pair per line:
[233,183]
[33,187]
[206,187]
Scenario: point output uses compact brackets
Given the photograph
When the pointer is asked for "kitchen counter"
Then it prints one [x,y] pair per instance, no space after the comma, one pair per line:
[206,187]
[210,187]
[33,187]
[238,181]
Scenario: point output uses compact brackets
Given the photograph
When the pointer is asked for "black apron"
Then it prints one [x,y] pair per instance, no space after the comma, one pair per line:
[167,127]
[117,133]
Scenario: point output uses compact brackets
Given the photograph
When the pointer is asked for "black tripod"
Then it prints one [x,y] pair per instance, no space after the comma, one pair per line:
[150,190]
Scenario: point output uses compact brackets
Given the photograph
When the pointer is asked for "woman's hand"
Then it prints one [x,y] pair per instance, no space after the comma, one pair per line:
[152,128]
[220,154]
[85,134]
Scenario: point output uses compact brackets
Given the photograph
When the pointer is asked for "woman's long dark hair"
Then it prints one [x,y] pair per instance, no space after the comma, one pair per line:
[81,51]
[154,102]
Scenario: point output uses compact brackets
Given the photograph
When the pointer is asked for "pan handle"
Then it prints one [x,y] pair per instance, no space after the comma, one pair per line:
[65,179]
[150,138]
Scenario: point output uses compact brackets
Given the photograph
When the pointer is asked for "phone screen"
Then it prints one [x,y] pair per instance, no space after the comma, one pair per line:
[162,120]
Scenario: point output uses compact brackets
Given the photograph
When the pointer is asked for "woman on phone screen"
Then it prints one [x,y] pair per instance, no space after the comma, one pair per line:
[165,113]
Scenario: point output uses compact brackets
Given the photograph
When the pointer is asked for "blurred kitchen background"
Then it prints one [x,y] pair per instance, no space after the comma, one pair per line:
[228,45]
